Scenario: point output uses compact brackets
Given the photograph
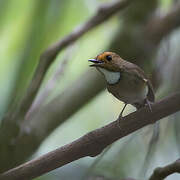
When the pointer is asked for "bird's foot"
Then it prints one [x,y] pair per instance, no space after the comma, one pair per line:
[120,118]
[149,104]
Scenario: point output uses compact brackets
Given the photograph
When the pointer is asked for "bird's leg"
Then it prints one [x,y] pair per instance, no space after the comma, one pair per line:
[149,104]
[120,116]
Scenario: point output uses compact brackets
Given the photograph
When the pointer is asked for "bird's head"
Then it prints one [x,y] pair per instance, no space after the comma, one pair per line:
[107,60]
[110,65]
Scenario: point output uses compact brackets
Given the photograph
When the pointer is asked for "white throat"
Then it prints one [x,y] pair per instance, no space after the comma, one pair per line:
[110,76]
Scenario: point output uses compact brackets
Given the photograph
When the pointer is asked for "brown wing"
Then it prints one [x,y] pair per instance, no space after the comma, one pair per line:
[137,71]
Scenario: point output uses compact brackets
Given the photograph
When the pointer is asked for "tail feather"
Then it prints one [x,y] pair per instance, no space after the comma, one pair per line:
[140,105]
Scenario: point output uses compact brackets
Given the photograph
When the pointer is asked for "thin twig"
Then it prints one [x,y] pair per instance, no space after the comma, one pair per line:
[162,172]
[94,142]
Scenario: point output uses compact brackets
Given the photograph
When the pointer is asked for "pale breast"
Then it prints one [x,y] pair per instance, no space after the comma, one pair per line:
[125,87]
[111,77]
[129,90]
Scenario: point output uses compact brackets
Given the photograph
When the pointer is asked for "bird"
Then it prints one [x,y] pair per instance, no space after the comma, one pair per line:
[125,80]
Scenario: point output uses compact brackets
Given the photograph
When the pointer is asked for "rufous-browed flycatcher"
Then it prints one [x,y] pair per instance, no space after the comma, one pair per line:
[125,80]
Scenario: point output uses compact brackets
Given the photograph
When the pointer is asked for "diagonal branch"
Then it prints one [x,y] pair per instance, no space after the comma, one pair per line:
[162,172]
[75,96]
[47,58]
[11,123]
[51,84]
[94,142]
[160,27]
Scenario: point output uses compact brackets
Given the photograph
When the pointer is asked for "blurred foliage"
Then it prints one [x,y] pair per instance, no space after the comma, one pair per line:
[27,29]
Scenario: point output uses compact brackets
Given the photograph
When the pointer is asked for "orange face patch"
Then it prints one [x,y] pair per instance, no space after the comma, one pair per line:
[107,60]
[103,56]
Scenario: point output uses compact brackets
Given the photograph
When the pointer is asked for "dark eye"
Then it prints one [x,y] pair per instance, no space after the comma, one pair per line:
[109,58]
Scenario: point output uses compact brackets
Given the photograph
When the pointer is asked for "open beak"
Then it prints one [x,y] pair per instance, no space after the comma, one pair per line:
[96,62]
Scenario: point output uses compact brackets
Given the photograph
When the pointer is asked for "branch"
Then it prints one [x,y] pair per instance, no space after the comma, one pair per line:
[47,58]
[51,84]
[94,142]
[10,126]
[93,166]
[58,111]
[162,172]
[160,27]
[43,122]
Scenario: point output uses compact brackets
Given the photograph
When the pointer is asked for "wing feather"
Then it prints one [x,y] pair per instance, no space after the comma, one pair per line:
[139,73]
